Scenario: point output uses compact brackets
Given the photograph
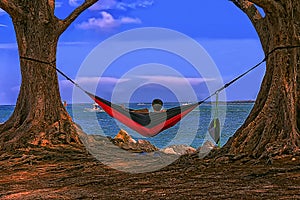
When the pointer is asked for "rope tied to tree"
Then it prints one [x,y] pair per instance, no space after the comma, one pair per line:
[52,64]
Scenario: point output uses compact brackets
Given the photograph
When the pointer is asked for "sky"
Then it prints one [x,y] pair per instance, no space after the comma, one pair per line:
[225,33]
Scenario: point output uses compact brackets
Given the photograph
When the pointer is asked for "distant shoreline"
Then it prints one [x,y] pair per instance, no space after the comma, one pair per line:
[236,101]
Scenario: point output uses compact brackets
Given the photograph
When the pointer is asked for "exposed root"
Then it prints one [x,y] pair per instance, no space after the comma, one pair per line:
[30,135]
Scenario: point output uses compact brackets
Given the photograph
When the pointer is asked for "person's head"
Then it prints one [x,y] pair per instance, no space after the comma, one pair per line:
[157,104]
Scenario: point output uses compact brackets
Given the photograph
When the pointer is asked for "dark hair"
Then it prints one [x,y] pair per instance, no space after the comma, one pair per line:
[157,104]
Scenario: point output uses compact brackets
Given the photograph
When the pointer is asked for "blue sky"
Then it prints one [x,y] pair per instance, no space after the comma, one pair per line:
[223,30]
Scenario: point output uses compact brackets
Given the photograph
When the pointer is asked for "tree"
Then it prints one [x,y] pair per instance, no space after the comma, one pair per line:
[39,117]
[273,125]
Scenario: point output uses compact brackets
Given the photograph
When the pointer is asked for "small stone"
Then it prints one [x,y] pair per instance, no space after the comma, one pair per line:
[168,150]
[293,159]
[179,150]
[123,135]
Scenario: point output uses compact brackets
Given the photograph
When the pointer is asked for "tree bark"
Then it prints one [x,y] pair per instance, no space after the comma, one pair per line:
[272,127]
[39,118]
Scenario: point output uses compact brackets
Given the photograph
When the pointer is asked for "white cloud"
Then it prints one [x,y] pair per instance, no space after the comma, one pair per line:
[104,5]
[72,43]
[135,5]
[88,81]
[16,88]
[129,20]
[74,3]
[3,25]
[96,80]
[107,22]
[113,4]
[175,80]
[8,46]
[58,4]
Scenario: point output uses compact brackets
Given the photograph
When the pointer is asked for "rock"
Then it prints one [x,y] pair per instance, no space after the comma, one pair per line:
[126,142]
[124,136]
[179,149]
[169,150]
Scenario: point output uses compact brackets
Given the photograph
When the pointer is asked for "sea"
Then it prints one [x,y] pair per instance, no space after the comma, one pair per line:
[192,130]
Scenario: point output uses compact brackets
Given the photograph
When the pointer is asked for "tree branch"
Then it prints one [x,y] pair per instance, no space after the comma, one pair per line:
[268,5]
[10,8]
[51,4]
[67,21]
[249,9]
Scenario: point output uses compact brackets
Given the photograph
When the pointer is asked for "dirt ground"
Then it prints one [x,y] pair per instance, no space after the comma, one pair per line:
[68,174]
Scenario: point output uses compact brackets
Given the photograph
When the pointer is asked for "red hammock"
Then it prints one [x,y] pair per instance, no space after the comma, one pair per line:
[147,124]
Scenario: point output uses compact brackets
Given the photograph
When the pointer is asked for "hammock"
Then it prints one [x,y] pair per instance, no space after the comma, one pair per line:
[147,124]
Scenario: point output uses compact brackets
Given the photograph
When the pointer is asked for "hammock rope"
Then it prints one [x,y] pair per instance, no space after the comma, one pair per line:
[153,123]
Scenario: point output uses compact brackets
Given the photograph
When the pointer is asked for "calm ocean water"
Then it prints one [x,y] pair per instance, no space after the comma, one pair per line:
[192,130]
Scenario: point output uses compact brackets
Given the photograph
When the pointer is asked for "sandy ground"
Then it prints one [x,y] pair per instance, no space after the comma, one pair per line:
[68,174]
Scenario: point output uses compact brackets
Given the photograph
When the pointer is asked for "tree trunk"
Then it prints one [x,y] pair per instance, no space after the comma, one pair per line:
[39,117]
[272,128]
